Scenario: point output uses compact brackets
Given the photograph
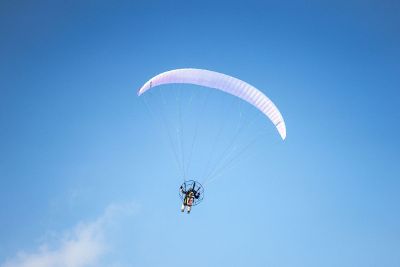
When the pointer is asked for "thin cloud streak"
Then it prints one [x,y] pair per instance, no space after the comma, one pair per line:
[82,246]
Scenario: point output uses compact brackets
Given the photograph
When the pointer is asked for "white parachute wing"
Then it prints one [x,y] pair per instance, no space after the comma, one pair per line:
[224,83]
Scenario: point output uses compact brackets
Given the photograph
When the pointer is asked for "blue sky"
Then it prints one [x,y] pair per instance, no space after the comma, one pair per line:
[84,175]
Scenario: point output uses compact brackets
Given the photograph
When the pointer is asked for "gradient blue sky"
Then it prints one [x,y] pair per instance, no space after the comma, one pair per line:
[76,140]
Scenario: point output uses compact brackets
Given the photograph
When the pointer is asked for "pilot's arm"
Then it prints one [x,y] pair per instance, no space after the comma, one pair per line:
[182,190]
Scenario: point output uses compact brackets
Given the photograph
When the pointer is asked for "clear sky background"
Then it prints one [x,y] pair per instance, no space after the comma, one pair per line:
[86,181]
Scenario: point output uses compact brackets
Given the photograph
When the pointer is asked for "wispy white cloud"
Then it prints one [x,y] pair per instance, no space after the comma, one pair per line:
[82,246]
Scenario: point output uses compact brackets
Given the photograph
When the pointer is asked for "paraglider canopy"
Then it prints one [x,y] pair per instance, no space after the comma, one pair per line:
[224,83]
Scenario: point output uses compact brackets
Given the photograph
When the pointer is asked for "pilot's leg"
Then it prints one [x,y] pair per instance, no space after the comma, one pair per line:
[183,208]
[189,208]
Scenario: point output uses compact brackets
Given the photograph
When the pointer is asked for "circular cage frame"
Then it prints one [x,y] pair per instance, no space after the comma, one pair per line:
[190,185]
